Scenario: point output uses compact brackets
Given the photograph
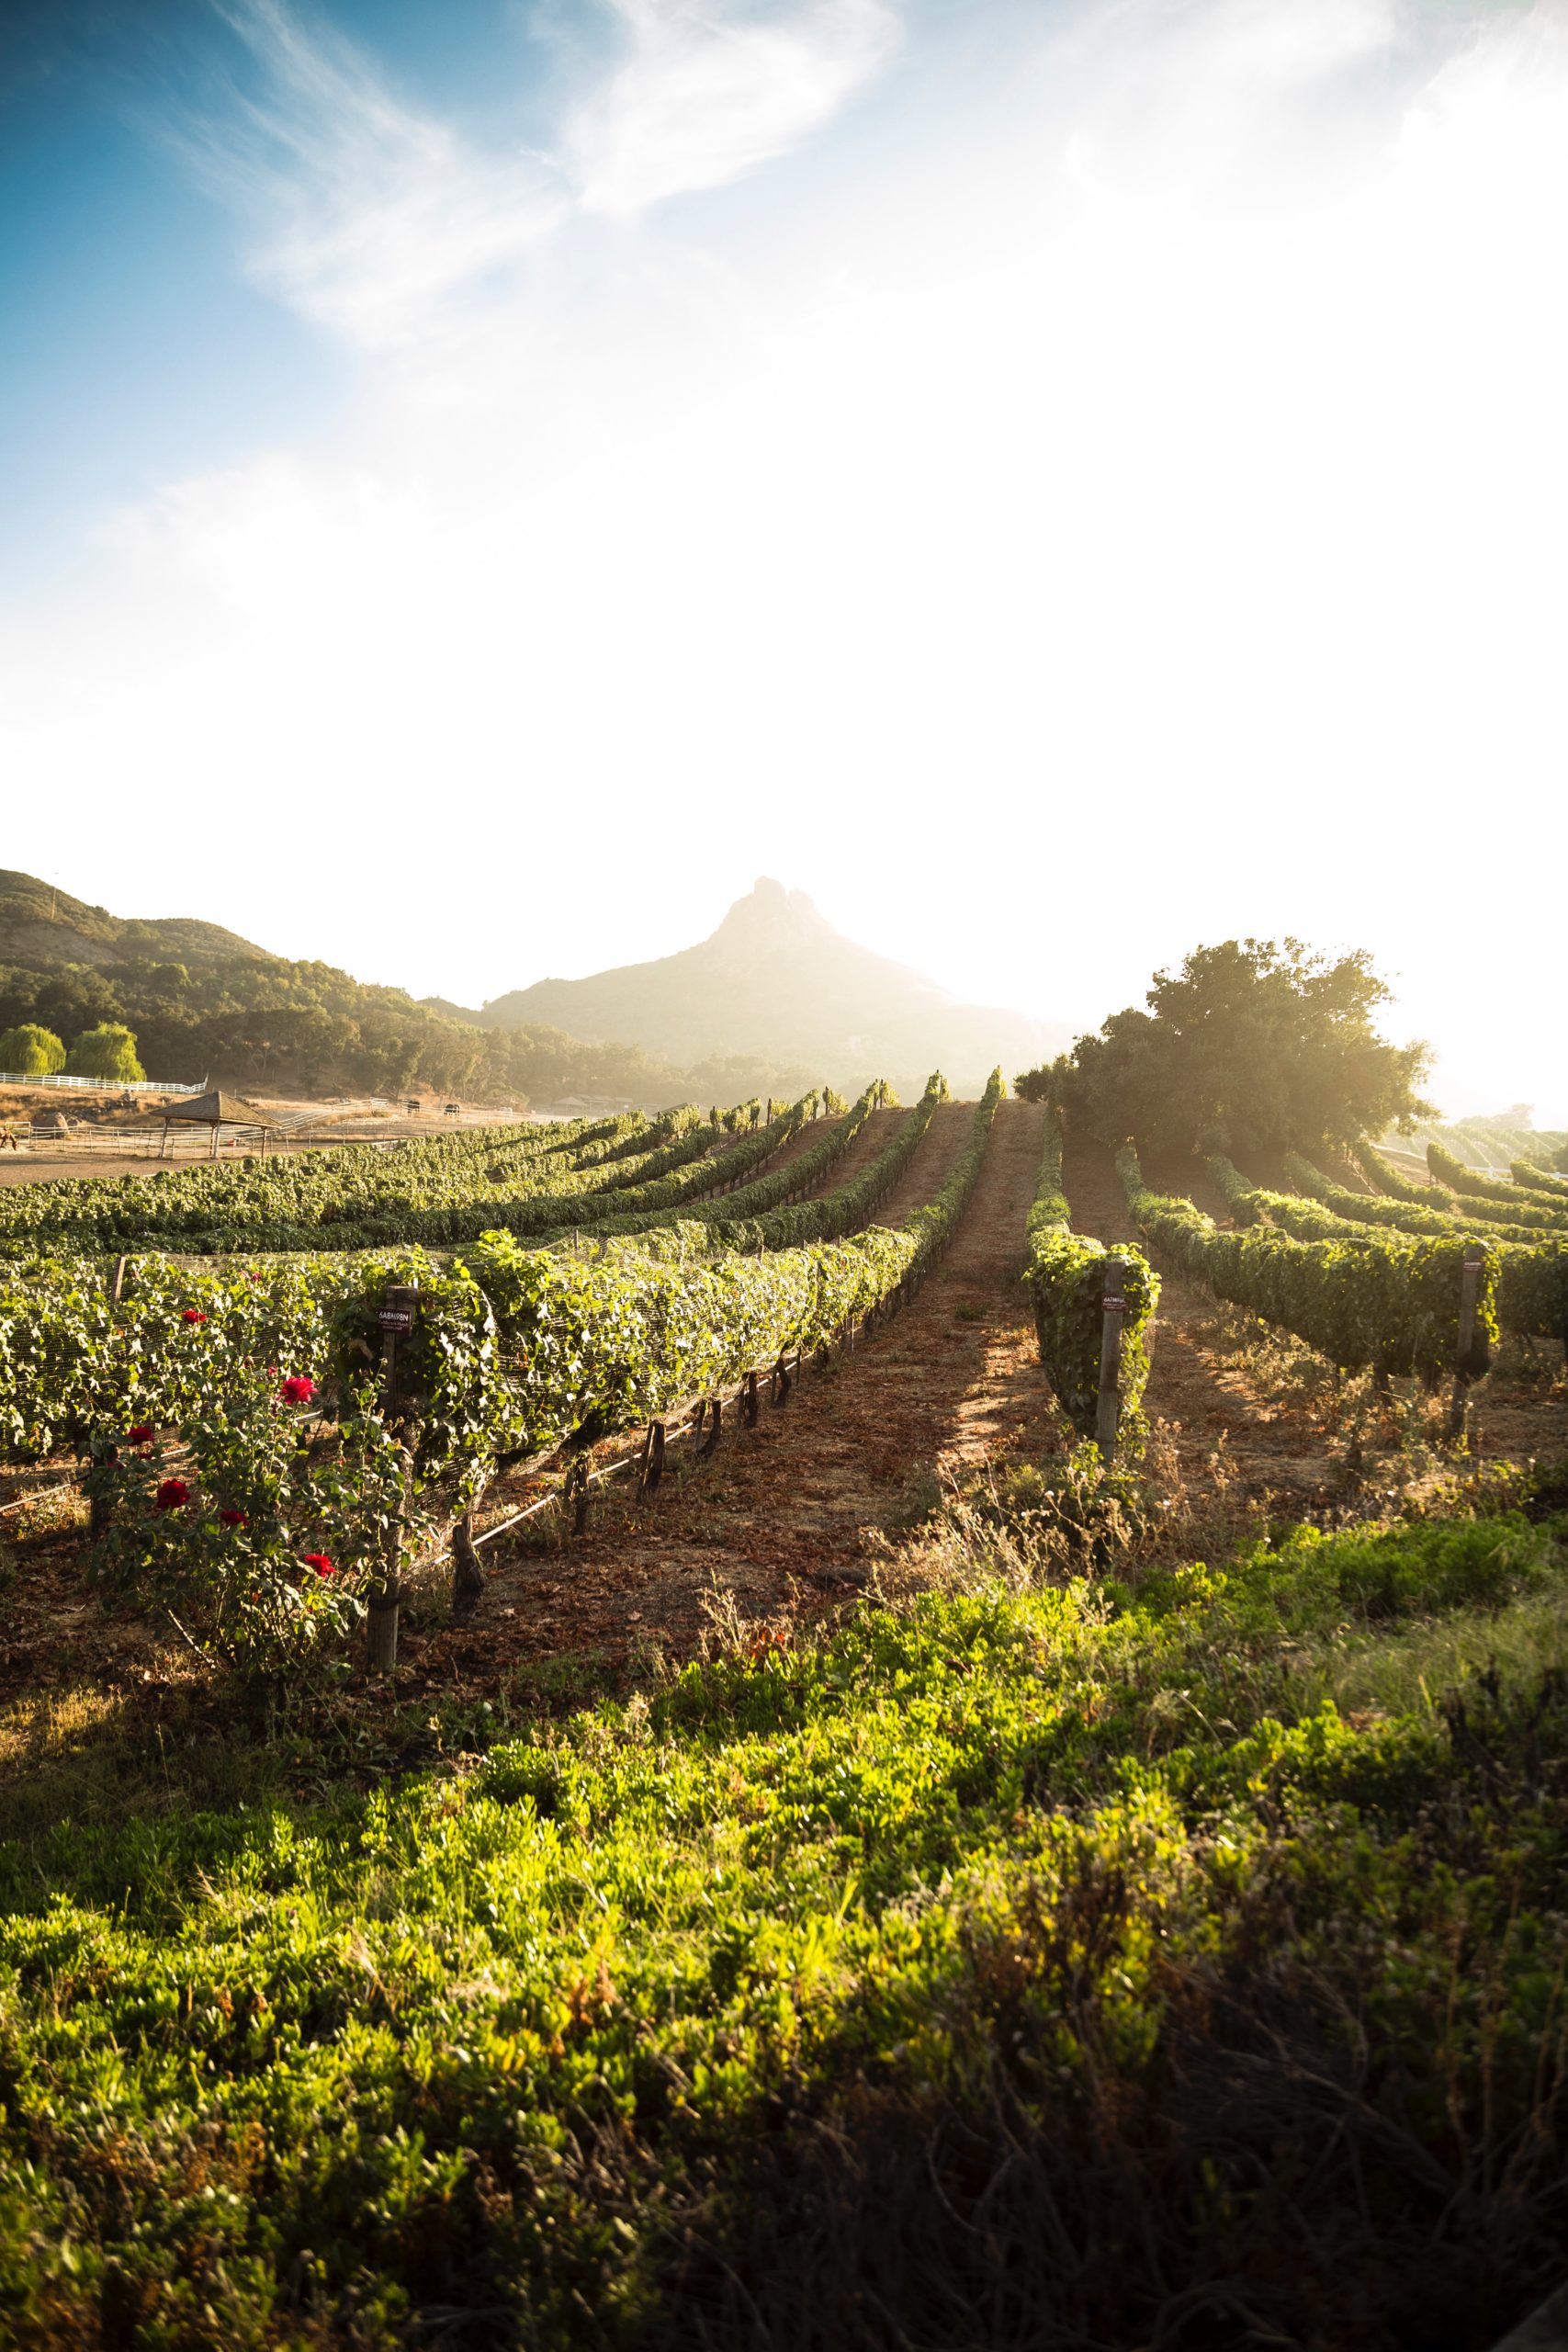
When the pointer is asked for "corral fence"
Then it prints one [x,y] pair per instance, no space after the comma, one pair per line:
[100,1085]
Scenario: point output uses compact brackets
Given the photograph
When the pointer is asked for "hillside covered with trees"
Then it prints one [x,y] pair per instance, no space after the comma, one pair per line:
[204,1003]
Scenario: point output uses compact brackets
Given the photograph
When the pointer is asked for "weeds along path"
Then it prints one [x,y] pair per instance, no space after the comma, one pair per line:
[785,1516]
[1208,1408]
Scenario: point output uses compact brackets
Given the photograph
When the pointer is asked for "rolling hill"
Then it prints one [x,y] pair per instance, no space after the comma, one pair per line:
[40,924]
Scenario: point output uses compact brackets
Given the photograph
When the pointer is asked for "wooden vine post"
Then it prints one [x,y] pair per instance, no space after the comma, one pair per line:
[652,1458]
[397,1316]
[1112,1310]
[1469,1299]
[468,1577]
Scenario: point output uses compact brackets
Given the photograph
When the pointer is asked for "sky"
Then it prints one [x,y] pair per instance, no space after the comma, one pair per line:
[1058,481]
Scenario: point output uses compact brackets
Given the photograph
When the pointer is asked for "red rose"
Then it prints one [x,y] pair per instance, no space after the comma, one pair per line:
[193,1315]
[320,1562]
[299,1390]
[171,1494]
[233,1518]
[140,1435]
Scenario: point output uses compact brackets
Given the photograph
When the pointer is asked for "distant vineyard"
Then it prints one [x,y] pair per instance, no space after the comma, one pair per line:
[1482,1143]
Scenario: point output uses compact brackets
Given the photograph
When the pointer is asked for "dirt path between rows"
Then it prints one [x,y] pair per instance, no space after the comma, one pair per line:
[874,1138]
[784,1517]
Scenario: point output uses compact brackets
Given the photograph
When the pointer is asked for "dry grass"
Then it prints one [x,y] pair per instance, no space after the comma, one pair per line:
[44,1514]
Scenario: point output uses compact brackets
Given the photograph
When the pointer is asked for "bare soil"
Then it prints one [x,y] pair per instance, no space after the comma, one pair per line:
[785,1518]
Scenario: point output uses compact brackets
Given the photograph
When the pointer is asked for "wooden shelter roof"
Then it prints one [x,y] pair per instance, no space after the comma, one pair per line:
[216,1109]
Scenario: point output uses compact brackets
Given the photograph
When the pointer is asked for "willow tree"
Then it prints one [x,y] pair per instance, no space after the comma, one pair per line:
[31,1051]
[108,1052]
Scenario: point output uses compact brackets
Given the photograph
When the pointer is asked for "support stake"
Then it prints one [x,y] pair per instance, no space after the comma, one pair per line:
[468,1577]
[652,1458]
[397,1316]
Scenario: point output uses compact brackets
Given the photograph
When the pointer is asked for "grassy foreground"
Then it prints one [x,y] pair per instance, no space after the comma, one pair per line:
[1170,1965]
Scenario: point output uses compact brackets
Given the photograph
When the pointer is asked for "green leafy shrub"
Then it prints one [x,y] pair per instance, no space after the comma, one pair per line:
[255,1549]
[1065,1276]
[1532,1264]
[810,1984]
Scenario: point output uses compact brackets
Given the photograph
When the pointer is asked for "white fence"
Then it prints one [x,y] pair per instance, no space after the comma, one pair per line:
[99,1085]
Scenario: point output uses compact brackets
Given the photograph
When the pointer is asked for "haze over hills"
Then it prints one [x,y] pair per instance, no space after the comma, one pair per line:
[773,1003]
[776,981]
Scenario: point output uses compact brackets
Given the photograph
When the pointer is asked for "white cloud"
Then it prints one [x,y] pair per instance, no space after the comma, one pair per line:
[708,93]
[366,217]
[376,220]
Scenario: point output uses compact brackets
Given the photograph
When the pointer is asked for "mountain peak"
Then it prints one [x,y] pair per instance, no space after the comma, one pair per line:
[776,981]
[770,914]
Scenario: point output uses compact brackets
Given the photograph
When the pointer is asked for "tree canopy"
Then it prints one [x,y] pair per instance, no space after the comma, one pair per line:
[1252,1045]
[29,1051]
[108,1051]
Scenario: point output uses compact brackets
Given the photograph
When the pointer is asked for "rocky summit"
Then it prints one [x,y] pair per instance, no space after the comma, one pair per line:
[775,979]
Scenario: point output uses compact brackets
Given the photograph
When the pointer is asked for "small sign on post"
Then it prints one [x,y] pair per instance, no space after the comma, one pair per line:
[1113,1311]
[397,1315]
[1469,1299]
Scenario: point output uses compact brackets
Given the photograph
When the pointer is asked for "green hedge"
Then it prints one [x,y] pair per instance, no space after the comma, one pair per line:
[1421,1216]
[656,1181]
[1532,1269]
[188,1206]
[842,1211]
[1540,1180]
[1392,1181]
[1361,1299]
